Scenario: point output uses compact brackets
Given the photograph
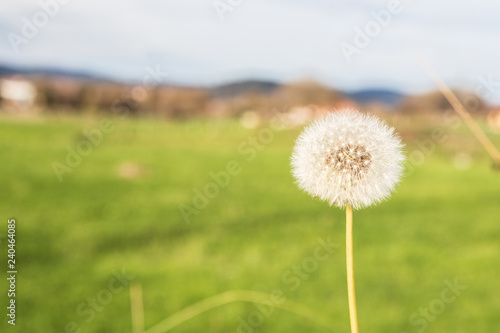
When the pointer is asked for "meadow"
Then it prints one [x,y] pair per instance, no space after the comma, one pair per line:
[425,260]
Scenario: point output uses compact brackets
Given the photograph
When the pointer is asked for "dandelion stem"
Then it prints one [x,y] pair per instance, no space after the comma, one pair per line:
[350,272]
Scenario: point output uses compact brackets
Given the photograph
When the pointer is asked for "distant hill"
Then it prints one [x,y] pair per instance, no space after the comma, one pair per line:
[232,89]
[385,96]
[389,97]
[242,87]
[6,70]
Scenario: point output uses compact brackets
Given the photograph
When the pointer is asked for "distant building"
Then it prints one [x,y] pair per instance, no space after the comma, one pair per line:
[17,93]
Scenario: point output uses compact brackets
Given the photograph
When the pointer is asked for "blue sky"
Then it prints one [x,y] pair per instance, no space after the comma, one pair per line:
[275,39]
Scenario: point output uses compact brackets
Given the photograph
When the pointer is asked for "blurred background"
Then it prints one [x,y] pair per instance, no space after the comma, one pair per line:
[145,157]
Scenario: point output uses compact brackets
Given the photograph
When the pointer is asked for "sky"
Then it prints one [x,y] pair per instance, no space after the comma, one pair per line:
[348,45]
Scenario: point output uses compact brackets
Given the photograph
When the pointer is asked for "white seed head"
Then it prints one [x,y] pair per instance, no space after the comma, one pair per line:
[348,158]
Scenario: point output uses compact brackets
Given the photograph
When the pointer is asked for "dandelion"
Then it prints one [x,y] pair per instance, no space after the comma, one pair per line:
[351,160]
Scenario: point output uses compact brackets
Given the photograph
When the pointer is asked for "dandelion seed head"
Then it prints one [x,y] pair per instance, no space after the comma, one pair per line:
[348,158]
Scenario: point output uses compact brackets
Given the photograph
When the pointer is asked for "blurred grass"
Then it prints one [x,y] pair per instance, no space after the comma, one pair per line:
[71,236]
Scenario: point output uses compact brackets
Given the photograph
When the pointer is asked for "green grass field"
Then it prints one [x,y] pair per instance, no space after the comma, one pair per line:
[118,211]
